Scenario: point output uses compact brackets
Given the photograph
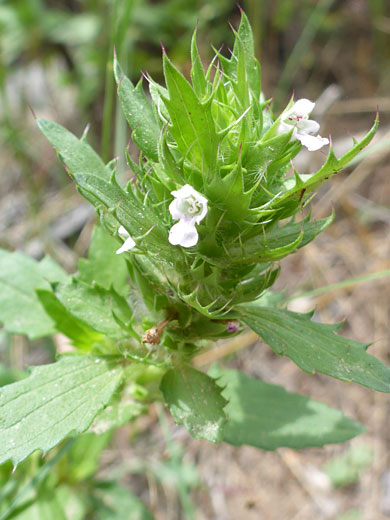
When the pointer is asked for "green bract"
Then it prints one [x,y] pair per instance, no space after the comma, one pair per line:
[147,311]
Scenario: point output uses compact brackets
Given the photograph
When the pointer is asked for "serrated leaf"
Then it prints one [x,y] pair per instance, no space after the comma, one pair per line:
[262,277]
[95,182]
[195,400]
[82,336]
[55,401]
[135,217]
[118,412]
[96,307]
[279,241]
[51,271]
[192,124]
[316,347]
[78,156]
[139,114]
[266,416]
[197,73]
[103,265]
[20,310]
[331,167]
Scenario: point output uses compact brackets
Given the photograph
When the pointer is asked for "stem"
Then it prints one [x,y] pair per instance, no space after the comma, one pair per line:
[109,90]
[124,49]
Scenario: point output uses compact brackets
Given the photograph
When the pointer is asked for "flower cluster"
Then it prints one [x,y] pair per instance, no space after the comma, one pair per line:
[190,208]
[297,119]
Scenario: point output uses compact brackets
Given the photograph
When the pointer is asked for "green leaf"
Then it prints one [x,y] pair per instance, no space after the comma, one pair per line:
[316,347]
[345,469]
[10,375]
[115,502]
[197,73]
[266,416]
[51,271]
[133,215]
[20,310]
[139,114]
[96,307]
[47,507]
[78,156]
[103,265]
[279,241]
[118,412]
[55,401]
[97,185]
[82,336]
[82,460]
[73,502]
[331,167]
[192,124]
[195,400]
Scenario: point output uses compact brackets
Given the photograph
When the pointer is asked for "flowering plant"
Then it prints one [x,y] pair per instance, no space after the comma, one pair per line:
[203,223]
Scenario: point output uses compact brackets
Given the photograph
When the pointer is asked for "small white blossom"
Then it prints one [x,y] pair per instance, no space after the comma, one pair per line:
[297,119]
[128,243]
[189,207]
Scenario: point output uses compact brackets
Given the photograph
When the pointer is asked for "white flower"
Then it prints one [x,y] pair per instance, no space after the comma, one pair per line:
[297,119]
[189,207]
[128,243]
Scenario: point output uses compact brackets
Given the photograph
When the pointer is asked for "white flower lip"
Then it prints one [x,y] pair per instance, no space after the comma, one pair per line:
[190,208]
[303,129]
[184,234]
[128,243]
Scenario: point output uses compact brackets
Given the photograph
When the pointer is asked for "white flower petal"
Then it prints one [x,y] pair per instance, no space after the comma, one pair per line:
[188,191]
[283,128]
[303,107]
[174,210]
[188,204]
[308,126]
[123,232]
[126,246]
[312,142]
[183,233]
[202,214]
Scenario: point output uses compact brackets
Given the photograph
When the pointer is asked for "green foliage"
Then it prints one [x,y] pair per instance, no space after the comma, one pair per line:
[138,113]
[316,347]
[195,400]
[53,402]
[268,417]
[139,317]
[20,310]
[345,469]
[114,502]
[103,266]
[99,308]
[81,335]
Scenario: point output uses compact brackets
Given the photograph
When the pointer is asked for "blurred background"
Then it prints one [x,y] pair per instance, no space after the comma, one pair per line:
[56,57]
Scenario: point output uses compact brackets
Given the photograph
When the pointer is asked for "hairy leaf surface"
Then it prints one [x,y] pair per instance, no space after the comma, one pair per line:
[195,400]
[55,401]
[316,347]
[268,417]
[20,309]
